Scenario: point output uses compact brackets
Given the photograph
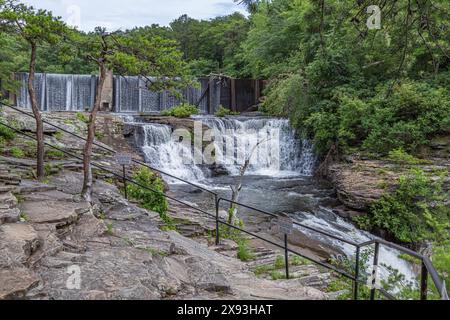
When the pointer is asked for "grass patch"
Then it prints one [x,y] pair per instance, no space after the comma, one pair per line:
[16,152]
[24,217]
[109,229]
[82,117]
[55,154]
[58,135]
[244,252]
[155,252]
[277,275]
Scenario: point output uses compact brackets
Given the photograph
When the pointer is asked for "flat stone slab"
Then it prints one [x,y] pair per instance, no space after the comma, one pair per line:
[17,242]
[57,212]
[15,283]
[29,186]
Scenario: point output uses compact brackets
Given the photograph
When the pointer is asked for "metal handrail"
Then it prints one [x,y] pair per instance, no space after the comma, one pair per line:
[110,172]
[109,149]
[428,267]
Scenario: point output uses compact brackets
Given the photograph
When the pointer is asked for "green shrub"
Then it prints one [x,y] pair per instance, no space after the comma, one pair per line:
[407,119]
[399,156]
[58,135]
[17,152]
[55,154]
[244,252]
[277,275]
[407,116]
[223,112]
[415,212]
[441,261]
[279,262]
[6,134]
[82,117]
[151,200]
[184,110]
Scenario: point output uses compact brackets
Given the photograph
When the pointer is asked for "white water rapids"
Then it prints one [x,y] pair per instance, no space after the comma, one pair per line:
[281,155]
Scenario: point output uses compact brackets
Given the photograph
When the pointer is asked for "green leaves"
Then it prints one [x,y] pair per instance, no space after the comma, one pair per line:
[342,84]
[415,212]
[182,111]
[151,198]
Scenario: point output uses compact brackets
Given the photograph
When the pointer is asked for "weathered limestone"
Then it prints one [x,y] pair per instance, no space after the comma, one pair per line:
[17,242]
[55,212]
[8,211]
[360,183]
[15,283]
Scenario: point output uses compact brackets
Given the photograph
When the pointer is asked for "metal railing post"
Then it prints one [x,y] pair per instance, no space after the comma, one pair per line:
[374,271]
[217,220]
[424,282]
[286,255]
[124,173]
[356,284]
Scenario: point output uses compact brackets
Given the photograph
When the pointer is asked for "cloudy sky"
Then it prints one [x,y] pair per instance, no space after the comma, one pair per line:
[124,14]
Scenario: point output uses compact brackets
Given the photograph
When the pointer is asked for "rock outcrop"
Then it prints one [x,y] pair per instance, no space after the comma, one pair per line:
[359,183]
[114,250]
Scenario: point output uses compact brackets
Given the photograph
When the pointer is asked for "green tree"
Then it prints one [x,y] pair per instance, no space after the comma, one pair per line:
[130,54]
[36,28]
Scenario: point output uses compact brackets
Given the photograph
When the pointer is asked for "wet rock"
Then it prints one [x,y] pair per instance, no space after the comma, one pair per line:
[218,170]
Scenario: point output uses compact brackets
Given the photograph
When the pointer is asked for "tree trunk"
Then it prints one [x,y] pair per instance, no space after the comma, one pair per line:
[87,170]
[37,115]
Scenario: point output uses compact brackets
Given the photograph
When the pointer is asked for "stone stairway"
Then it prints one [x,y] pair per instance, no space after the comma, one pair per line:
[9,213]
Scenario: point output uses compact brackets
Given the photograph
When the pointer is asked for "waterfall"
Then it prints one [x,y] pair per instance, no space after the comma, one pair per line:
[58,92]
[279,152]
[278,149]
[163,152]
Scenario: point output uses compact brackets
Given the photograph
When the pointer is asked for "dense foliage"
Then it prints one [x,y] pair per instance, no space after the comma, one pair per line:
[351,87]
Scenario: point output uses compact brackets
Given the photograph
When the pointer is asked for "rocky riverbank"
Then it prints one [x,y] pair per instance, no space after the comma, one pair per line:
[360,182]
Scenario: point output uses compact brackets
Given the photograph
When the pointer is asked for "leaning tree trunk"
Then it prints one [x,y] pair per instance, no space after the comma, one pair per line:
[37,115]
[87,169]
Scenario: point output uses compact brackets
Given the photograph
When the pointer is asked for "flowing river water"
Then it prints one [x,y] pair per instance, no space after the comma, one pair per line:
[278,180]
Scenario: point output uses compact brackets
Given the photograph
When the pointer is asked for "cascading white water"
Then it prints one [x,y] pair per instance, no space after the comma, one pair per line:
[170,156]
[272,145]
[281,154]
[58,92]
[327,221]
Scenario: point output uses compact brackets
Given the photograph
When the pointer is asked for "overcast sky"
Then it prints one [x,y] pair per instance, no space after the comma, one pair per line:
[125,14]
